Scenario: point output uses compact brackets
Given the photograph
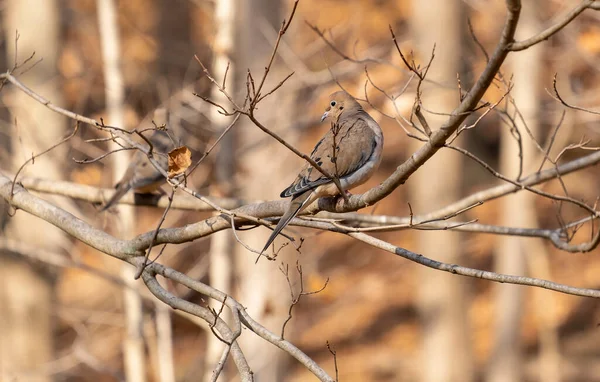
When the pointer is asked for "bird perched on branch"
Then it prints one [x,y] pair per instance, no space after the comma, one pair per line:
[141,175]
[350,151]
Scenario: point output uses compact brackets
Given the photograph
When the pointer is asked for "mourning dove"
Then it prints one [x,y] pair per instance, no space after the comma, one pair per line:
[358,142]
[141,175]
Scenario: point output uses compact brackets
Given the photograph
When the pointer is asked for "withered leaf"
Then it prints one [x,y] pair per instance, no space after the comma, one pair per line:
[179,161]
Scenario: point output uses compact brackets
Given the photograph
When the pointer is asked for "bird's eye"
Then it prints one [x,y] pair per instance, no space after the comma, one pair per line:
[332,103]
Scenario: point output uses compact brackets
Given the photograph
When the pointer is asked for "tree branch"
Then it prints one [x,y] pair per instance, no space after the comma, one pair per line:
[470,272]
[132,252]
[439,137]
[553,29]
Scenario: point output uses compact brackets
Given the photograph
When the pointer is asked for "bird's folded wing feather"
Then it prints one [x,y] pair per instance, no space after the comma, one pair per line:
[145,174]
[353,140]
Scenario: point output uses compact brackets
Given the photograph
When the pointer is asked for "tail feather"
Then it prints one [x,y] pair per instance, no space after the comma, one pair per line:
[121,190]
[296,205]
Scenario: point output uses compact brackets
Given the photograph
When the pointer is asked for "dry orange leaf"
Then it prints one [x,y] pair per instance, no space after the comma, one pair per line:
[179,161]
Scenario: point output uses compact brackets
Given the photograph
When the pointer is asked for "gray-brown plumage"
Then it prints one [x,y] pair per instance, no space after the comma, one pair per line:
[141,176]
[350,151]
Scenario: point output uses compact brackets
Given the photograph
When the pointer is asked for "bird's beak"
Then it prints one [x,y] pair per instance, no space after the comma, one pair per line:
[324,116]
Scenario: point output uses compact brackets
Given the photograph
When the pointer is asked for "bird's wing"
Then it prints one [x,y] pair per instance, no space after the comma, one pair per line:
[145,175]
[354,142]
[141,175]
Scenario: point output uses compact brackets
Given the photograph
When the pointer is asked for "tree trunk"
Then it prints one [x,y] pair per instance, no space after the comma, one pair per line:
[133,344]
[222,243]
[442,300]
[506,362]
[26,292]
[261,287]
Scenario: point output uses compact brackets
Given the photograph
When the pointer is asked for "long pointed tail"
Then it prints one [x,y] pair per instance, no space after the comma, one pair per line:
[296,205]
[120,191]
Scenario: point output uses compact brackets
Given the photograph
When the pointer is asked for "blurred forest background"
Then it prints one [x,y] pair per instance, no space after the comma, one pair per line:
[68,312]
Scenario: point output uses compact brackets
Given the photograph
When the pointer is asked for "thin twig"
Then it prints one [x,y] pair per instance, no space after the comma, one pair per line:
[334,354]
[561,100]
[160,223]
[296,299]
[33,157]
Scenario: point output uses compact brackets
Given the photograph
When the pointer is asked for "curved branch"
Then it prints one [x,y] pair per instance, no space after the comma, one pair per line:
[276,208]
[396,223]
[116,131]
[423,221]
[561,99]
[505,189]
[131,251]
[199,311]
[471,272]
[553,29]
[439,137]
[248,321]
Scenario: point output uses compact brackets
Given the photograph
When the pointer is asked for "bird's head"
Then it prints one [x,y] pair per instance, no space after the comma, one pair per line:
[340,102]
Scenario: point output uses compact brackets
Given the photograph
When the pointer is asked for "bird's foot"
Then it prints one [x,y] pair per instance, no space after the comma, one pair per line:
[346,196]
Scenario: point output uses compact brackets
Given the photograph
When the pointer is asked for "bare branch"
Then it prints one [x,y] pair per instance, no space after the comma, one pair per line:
[550,31]
[160,223]
[343,55]
[523,186]
[284,27]
[33,157]
[132,251]
[296,299]
[505,189]
[334,354]
[470,272]
[439,137]
[100,157]
[561,100]
[99,195]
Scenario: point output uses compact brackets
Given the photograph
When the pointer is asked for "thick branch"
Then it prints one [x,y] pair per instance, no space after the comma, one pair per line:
[439,137]
[100,195]
[248,321]
[204,313]
[276,208]
[131,251]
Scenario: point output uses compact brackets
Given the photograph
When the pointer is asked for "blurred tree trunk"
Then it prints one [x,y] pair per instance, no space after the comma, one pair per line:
[222,243]
[442,301]
[26,292]
[175,59]
[506,362]
[261,287]
[133,344]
